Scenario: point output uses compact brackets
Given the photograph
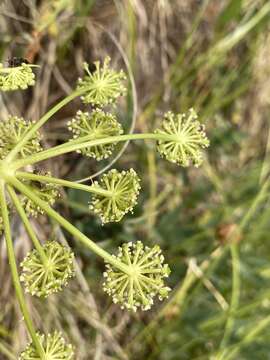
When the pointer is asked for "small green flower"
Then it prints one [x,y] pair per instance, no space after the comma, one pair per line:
[123,189]
[45,191]
[103,86]
[96,125]
[14,78]
[42,278]
[188,138]
[144,280]
[12,130]
[54,345]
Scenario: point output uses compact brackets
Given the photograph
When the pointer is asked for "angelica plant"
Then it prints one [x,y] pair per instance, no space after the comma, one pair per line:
[136,275]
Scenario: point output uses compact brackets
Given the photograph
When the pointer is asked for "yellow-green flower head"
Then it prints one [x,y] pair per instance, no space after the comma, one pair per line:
[97,125]
[118,195]
[144,279]
[45,191]
[103,86]
[186,138]
[54,345]
[14,78]
[42,277]
[12,131]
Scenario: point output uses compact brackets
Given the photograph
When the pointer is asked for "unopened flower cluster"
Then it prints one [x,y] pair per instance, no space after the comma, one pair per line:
[104,85]
[14,78]
[122,193]
[184,138]
[46,191]
[12,130]
[94,126]
[54,345]
[44,277]
[143,280]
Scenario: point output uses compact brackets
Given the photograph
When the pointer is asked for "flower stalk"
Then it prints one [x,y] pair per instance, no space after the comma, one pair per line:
[73,146]
[65,183]
[68,226]
[27,224]
[41,122]
[15,275]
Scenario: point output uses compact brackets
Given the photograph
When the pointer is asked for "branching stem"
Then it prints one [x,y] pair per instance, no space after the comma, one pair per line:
[15,275]
[49,179]
[27,224]
[75,145]
[69,227]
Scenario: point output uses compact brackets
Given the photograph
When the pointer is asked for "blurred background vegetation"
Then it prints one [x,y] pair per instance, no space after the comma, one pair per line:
[212,222]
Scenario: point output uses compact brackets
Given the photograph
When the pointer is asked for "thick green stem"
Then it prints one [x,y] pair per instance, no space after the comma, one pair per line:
[48,179]
[69,227]
[70,146]
[15,275]
[27,224]
[41,122]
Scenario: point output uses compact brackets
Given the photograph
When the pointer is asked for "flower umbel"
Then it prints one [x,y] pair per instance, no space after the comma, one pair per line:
[45,191]
[12,131]
[103,86]
[54,345]
[188,138]
[123,189]
[144,281]
[96,125]
[42,278]
[14,78]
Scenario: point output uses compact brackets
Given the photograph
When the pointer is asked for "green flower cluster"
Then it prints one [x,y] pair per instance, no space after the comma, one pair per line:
[96,125]
[103,86]
[54,345]
[42,277]
[14,78]
[143,280]
[46,191]
[186,138]
[12,130]
[122,192]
